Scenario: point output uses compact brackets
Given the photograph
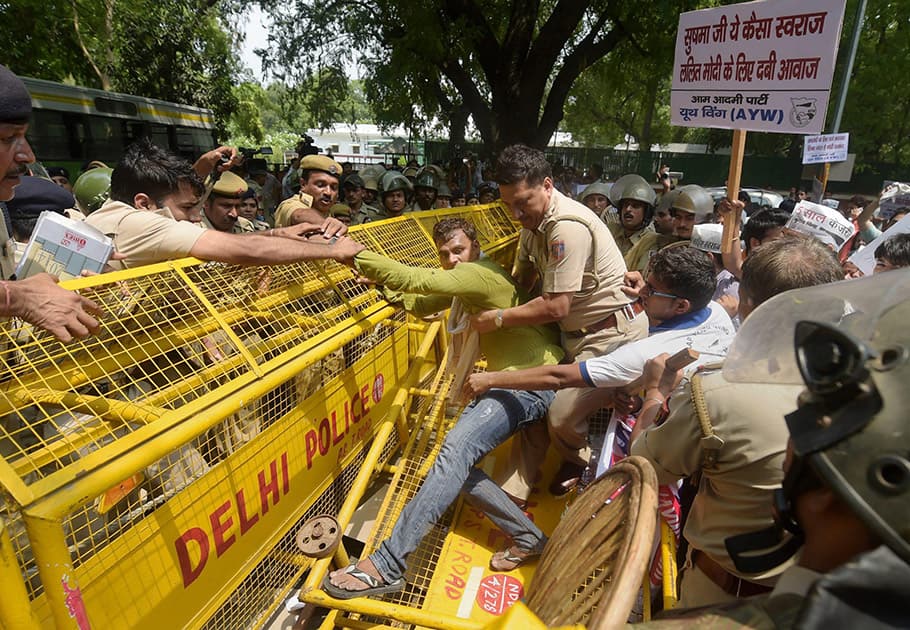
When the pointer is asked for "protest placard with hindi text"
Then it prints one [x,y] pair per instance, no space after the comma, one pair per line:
[759,66]
[831,147]
[821,222]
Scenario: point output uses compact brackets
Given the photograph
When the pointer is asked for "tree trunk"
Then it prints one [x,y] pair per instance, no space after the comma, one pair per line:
[458,122]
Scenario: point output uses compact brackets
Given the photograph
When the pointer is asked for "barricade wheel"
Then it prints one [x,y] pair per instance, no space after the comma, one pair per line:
[319,537]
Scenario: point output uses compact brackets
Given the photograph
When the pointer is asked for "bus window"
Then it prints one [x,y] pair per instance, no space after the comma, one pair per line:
[107,138]
[158,134]
[48,135]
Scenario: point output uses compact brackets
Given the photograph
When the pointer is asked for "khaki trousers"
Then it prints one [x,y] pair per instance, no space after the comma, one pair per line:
[567,419]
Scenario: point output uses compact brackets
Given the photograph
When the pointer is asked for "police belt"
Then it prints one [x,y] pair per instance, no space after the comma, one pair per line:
[629,310]
[729,583]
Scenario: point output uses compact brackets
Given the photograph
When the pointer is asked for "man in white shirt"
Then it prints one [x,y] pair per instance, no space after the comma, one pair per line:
[677,300]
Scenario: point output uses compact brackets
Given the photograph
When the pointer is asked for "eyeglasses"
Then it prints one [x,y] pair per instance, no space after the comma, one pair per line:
[648,290]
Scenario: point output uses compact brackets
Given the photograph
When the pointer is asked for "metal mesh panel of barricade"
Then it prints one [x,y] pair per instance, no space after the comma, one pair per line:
[177,342]
[268,582]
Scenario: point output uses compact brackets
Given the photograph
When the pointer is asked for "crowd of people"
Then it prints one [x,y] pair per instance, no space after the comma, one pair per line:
[603,290]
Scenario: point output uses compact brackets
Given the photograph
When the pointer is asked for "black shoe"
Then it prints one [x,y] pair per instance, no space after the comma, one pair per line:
[566,479]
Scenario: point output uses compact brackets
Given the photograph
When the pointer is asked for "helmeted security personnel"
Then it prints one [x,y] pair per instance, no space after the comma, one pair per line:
[92,188]
[221,211]
[394,191]
[371,175]
[634,200]
[342,212]
[426,186]
[690,205]
[487,192]
[443,196]
[844,503]
[596,196]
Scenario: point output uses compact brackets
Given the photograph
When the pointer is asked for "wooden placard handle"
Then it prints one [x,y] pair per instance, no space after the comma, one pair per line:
[731,222]
[682,358]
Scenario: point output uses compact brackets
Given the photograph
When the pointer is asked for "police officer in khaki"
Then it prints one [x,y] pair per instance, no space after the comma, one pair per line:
[843,500]
[221,211]
[151,222]
[690,205]
[37,300]
[731,438]
[570,251]
[634,200]
[319,177]
[354,193]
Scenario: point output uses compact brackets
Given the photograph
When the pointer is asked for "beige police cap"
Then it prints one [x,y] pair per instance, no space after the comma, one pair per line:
[286,208]
[321,163]
[229,185]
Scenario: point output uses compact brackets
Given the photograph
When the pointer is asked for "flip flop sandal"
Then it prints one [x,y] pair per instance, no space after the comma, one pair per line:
[513,557]
[375,586]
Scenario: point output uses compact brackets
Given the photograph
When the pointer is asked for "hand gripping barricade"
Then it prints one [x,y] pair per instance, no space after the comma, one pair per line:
[157,474]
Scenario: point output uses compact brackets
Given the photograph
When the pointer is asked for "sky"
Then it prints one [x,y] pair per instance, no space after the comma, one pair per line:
[256,37]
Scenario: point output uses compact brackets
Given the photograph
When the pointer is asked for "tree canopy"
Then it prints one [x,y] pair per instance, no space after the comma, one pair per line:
[510,64]
[176,50]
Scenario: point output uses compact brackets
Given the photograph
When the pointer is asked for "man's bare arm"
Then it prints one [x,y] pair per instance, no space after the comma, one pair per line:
[549,307]
[543,377]
[262,249]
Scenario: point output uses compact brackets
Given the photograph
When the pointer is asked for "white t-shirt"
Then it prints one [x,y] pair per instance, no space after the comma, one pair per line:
[708,331]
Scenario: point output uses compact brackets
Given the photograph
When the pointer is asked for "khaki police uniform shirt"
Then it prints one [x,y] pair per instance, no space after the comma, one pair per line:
[638,257]
[144,236]
[625,241]
[367,214]
[734,497]
[575,256]
[242,226]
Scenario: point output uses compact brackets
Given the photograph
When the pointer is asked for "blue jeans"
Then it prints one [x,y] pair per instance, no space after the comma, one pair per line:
[485,424]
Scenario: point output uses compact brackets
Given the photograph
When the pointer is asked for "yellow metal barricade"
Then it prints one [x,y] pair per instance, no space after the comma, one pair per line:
[155,474]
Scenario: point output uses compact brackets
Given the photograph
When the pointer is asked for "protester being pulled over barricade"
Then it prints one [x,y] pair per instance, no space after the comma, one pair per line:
[468,284]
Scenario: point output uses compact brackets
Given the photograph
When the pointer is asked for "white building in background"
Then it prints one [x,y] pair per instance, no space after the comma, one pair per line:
[365,144]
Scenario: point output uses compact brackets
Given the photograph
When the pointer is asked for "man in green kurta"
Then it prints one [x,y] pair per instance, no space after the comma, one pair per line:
[469,284]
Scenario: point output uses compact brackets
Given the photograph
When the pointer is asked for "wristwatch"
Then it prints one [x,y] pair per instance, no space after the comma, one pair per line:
[499,318]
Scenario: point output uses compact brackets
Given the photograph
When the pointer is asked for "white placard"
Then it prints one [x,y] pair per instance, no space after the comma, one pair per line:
[898,198]
[831,147]
[864,259]
[827,225]
[760,66]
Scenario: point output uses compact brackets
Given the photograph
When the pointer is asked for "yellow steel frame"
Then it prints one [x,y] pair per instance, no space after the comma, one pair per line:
[185,347]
